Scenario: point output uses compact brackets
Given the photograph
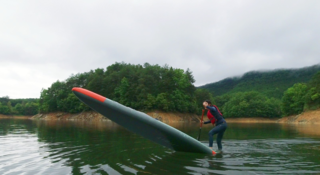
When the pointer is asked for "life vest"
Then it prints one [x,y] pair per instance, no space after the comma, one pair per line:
[211,117]
[216,117]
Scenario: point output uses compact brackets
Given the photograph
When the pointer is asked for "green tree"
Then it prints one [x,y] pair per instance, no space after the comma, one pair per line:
[313,94]
[201,95]
[95,81]
[220,101]
[250,104]
[150,102]
[273,107]
[72,104]
[121,92]
[19,108]
[31,108]
[162,102]
[10,107]
[293,99]
[4,109]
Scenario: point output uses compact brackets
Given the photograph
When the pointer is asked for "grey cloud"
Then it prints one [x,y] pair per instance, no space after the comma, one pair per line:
[215,39]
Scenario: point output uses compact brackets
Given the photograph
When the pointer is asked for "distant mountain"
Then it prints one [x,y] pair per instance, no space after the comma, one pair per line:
[271,83]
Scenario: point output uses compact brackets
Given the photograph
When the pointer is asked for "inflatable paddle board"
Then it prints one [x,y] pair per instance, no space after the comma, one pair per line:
[141,123]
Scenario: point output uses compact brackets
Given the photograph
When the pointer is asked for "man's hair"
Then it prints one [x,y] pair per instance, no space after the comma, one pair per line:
[209,102]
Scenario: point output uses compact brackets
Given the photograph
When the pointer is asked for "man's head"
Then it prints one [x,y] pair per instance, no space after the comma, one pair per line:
[209,102]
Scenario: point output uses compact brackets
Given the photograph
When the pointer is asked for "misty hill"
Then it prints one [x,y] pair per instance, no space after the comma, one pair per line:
[271,83]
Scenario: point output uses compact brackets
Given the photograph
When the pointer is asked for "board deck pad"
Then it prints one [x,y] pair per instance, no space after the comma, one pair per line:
[141,123]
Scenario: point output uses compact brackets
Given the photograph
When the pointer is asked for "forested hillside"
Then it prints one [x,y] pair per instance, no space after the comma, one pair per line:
[269,83]
[147,87]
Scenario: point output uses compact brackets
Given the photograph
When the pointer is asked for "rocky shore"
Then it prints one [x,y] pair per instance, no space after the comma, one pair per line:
[94,116]
[309,117]
[15,116]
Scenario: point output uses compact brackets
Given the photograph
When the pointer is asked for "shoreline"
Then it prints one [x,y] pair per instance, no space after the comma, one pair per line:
[15,116]
[252,120]
[308,117]
[95,116]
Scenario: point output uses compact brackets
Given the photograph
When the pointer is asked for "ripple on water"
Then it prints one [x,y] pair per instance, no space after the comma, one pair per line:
[260,156]
[20,155]
[25,153]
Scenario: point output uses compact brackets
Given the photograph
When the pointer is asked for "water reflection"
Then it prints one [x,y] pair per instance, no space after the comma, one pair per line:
[80,147]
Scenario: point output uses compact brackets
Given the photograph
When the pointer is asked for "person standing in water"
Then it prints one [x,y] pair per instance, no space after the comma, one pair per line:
[215,117]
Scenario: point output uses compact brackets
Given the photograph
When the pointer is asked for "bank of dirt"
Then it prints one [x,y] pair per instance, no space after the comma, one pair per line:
[166,117]
[251,120]
[310,117]
[94,116]
[15,116]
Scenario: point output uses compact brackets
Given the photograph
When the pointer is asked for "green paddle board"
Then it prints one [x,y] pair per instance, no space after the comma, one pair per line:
[141,123]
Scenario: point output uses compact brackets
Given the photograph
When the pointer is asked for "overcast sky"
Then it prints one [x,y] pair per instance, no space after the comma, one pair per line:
[45,41]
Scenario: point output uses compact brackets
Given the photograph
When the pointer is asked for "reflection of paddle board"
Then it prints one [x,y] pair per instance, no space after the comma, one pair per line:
[142,124]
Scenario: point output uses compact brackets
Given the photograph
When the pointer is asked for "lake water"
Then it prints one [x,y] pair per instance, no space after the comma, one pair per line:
[68,147]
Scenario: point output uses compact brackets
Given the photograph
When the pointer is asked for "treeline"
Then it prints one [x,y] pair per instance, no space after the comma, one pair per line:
[153,87]
[296,99]
[147,87]
[18,106]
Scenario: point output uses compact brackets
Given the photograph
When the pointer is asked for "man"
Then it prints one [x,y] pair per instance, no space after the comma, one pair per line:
[215,117]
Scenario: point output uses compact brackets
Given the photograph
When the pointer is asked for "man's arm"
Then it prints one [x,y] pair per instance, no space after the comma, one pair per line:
[211,108]
[207,122]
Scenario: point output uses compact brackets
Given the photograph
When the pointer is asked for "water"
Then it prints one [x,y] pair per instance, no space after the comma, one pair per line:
[60,147]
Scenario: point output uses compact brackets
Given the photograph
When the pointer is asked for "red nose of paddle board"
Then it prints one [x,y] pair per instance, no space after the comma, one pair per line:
[89,94]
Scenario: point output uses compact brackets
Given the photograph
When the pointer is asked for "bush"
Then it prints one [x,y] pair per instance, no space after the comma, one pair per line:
[293,99]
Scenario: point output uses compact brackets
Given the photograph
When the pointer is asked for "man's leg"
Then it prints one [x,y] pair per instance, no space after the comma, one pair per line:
[222,129]
[212,132]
